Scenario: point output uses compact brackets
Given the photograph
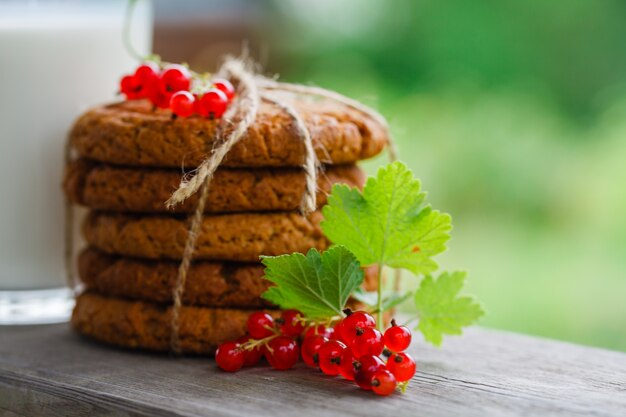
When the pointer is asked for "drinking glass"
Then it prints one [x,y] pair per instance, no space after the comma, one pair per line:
[57,58]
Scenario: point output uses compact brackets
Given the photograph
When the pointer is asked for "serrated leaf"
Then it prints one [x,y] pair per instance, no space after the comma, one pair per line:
[316,284]
[388,223]
[440,309]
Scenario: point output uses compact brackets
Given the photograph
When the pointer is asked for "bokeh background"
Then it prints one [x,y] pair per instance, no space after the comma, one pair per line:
[513,114]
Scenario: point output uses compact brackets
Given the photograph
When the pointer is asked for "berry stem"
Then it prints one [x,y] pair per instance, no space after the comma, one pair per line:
[204,79]
[403,386]
[126,31]
[308,323]
[253,343]
[379,304]
[272,328]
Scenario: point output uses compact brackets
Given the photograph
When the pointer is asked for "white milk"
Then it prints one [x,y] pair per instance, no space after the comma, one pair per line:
[57,58]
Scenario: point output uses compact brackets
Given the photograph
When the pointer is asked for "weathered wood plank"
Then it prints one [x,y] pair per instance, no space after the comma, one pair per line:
[48,370]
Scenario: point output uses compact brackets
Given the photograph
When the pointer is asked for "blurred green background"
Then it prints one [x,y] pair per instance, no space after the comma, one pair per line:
[513,114]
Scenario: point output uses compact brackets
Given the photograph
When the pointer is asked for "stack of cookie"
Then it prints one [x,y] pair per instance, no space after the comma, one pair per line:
[129,163]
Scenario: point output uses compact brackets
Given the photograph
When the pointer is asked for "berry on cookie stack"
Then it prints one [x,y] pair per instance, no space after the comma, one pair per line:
[130,156]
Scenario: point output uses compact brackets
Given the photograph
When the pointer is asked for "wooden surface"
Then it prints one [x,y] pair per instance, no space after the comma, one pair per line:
[48,370]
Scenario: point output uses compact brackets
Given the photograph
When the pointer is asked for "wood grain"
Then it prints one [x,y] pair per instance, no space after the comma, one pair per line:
[49,371]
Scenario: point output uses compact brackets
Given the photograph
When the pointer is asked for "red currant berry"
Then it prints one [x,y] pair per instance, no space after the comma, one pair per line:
[397,338]
[147,76]
[338,332]
[282,353]
[159,98]
[321,330]
[175,78]
[383,382]
[130,87]
[346,367]
[330,357]
[368,341]
[147,72]
[229,357]
[359,319]
[213,104]
[252,356]
[182,104]
[260,325]
[310,348]
[196,107]
[402,366]
[366,367]
[225,87]
[291,323]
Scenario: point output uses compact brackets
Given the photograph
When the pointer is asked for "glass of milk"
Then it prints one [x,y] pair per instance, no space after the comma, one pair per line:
[57,58]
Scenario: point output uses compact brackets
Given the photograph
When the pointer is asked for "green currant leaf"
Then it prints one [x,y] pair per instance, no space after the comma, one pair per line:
[388,222]
[316,284]
[440,308]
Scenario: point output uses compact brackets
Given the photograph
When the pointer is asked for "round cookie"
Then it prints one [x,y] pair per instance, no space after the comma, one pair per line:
[142,325]
[214,284]
[132,133]
[113,188]
[228,237]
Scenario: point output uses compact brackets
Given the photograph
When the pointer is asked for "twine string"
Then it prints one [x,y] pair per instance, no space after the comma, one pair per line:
[183,268]
[241,115]
[311,163]
[270,84]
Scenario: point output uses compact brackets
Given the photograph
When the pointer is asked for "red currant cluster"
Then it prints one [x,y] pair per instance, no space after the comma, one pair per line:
[351,348]
[171,88]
